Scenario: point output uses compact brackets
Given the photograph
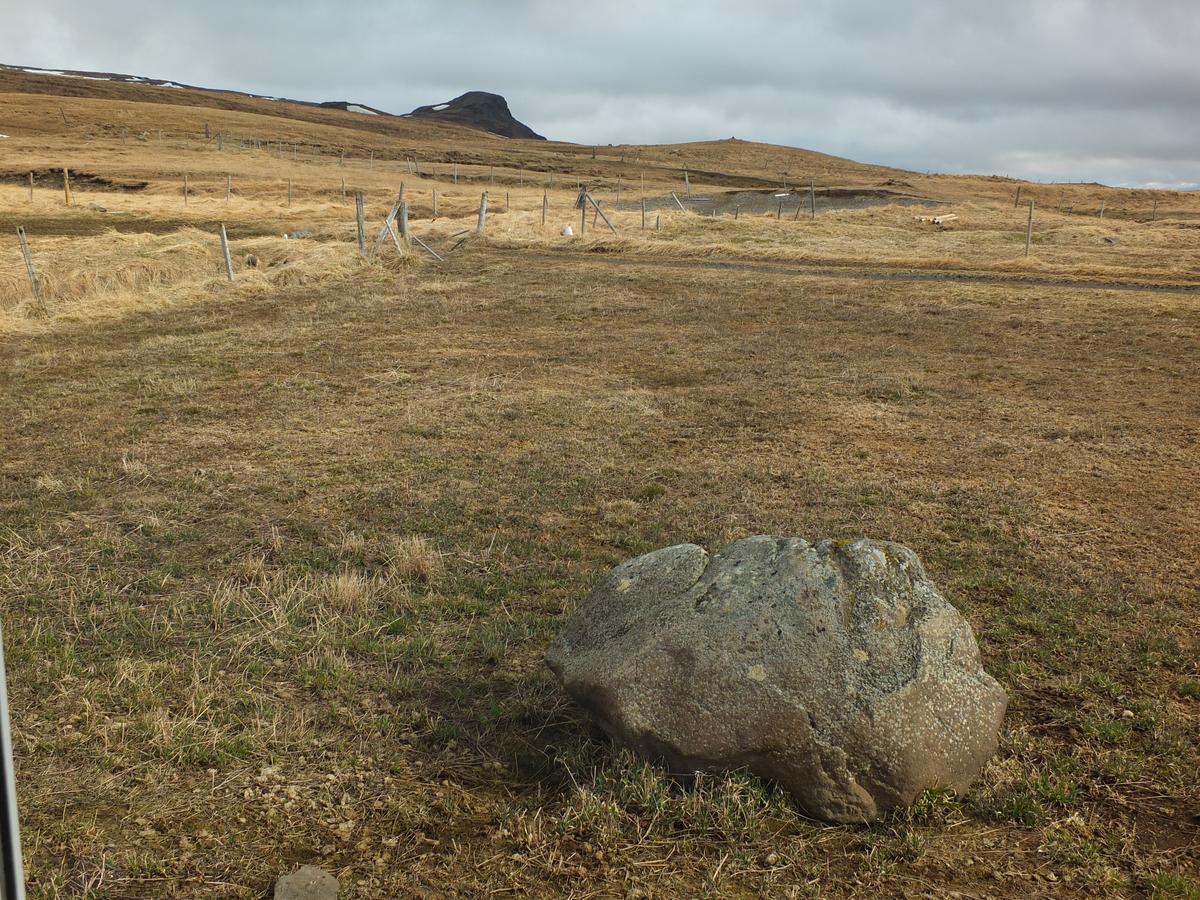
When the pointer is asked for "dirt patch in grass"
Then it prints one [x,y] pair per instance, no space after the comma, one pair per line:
[47,178]
[95,221]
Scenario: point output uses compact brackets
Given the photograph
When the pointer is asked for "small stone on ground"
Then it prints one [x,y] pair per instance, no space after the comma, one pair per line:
[306,883]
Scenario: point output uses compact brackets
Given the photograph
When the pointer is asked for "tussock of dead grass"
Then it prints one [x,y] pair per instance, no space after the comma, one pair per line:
[115,274]
[413,558]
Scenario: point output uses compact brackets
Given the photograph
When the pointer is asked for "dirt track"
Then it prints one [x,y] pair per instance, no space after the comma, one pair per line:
[794,199]
[879,273]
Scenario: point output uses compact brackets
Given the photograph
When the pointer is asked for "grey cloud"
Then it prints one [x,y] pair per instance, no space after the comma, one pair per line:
[1058,89]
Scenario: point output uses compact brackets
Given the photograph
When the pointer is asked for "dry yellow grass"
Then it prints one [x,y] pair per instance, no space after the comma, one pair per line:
[278,559]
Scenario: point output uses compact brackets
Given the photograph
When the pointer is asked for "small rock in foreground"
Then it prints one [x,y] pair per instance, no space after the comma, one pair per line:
[306,883]
[836,669]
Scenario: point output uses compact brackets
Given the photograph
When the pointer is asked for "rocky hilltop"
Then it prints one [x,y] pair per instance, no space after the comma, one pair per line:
[479,109]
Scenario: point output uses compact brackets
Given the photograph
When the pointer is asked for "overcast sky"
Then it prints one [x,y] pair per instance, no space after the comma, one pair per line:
[1042,89]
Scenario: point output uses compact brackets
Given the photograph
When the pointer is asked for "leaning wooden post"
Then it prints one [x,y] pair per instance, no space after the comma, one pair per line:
[384,231]
[736,210]
[481,226]
[1029,229]
[812,198]
[601,214]
[545,205]
[371,162]
[67,186]
[361,222]
[225,253]
[403,218]
[12,879]
[1017,199]
[33,282]
[1102,209]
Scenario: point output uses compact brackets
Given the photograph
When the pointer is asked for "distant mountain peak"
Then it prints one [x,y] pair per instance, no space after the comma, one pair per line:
[478,109]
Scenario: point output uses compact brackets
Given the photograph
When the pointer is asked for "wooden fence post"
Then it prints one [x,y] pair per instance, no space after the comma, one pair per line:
[362,226]
[1102,209]
[687,184]
[1153,213]
[289,192]
[812,198]
[31,187]
[482,224]
[228,187]
[658,223]
[33,282]
[435,201]
[371,162]
[225,253]
[1029,230]
[404,222]
[507,204]
[384,231]
[545,205]
[600,213]
[1017,199]
[67,186]
[643,214]
[343,190]
[779,212]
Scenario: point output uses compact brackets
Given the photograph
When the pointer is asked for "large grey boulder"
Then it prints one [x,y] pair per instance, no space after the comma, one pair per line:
[835,669]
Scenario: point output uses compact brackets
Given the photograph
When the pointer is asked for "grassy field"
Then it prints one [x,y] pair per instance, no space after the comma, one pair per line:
[280,558]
